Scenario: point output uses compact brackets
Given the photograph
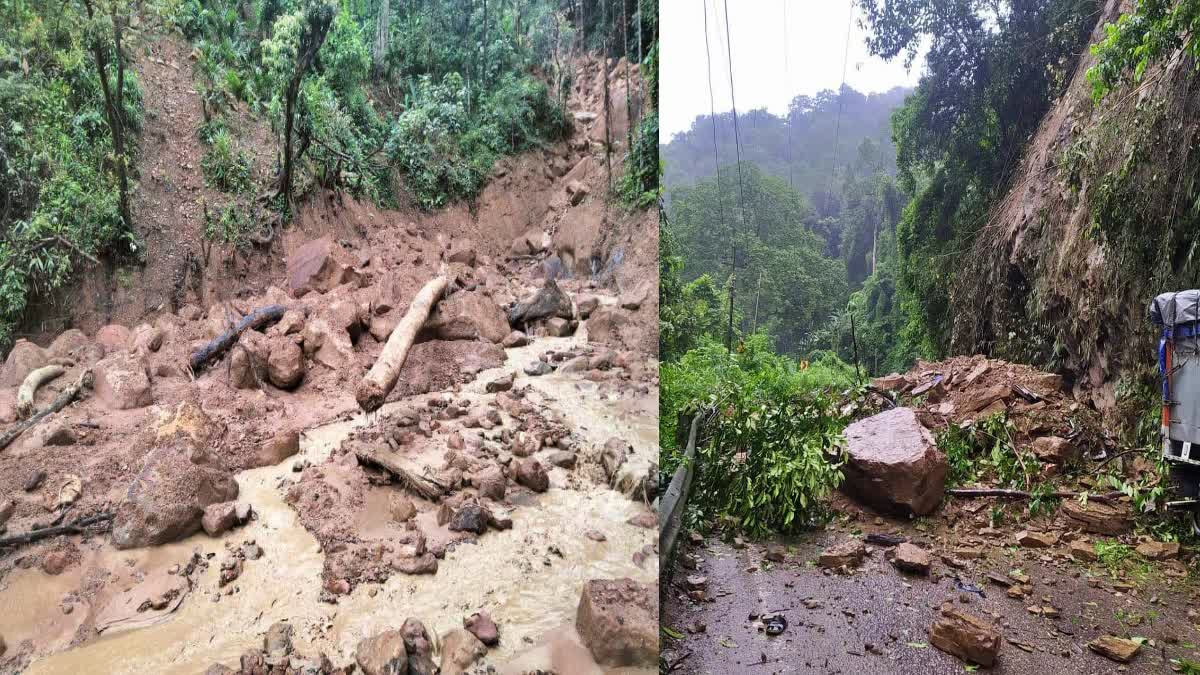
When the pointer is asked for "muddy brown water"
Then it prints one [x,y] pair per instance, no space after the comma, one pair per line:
[531,592]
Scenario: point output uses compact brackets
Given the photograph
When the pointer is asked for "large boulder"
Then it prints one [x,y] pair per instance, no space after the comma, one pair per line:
[329,346]
[285,364]
[383,654]
[549,301]
[114,338]
[611,326]
[617,620]
[166,500]
[893,463]
[320,265]
[966,636]
[123,381]
[24,358]
[468,315]
[68,343]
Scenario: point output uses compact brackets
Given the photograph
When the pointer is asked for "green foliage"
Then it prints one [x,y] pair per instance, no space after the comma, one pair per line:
[639,185]
[786,286]
[984,452]
[230,227]
[225,166]
[1155,29]
[771,450]
[58,195]
[993,69]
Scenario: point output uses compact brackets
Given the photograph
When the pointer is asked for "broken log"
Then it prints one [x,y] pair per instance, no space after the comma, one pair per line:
[35,379]
[884,539]
[75,527]
[76,390]
[425,487]
[218,345]
[972,493]
[379,381]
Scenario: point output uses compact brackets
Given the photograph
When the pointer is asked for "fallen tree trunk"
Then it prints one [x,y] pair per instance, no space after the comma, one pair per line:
[35,379]
[972,493]
[379,381]
[256,319]
[64,398]
[75,527]
[425,487]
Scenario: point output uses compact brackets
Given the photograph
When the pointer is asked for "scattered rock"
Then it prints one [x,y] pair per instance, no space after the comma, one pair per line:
[563,459]
[469,518]
[219,518]
[319,265]
[55,562]
[278,448]
[35,480]
[776,553]
[166,500]
[402,509]
[586,304]
[419,648]
[114,338]
[285,365]
[848,553]
[911,558]
[558,327]
[24,358]
[147,338]
[480,625]
[502,383]
[515,339]
[965,636]
[459,650]
[468,315]
[491,483]
[278,640]
[894,464]
[383,654]
[1037,539]
[538,368]
[1054,449]
[549,301]
[532,475]
[1083,551]
[123,381]
[7,507]
[617,621]
[462,251]
[1158,550]
[1115,648]
[1098,517]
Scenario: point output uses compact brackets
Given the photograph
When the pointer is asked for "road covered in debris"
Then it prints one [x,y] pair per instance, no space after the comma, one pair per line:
[925,568]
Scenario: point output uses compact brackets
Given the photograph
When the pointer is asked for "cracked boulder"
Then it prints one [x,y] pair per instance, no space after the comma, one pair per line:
[893,463]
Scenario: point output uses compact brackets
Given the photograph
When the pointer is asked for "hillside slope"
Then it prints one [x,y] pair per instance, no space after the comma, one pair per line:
[1100,218]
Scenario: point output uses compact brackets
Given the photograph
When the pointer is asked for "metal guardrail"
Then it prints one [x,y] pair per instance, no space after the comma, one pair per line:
[674,501]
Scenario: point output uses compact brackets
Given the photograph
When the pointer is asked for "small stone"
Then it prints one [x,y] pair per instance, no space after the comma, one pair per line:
[910,558]
[845,554]
[481,626]
[1036,539]
[35,480]
[965,636]
[1158,550]
[503,383]
[1115,648]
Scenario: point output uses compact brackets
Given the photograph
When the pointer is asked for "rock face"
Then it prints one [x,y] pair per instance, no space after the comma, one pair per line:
[383,654]
[166,501]
[618,622]
[24,358]
[320,265]
[122,382]
[893,463]
[965,636]
[468,315]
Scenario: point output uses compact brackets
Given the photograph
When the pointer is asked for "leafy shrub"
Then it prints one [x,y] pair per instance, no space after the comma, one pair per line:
[771,449]
[226,167]
[639,186]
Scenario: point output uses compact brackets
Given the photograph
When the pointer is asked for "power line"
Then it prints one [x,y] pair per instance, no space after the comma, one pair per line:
[717,165]
[837,134]
[737,144]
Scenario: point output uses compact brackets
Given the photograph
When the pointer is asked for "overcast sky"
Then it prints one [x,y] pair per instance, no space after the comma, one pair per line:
[816,40]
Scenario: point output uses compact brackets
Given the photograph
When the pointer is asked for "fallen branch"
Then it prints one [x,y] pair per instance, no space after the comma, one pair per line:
[972,493]
[64,398]
[75,527]
[35,379]
[379,381]
[426,487]
[256,319]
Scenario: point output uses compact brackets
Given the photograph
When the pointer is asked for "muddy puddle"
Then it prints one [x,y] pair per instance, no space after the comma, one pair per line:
[528,578]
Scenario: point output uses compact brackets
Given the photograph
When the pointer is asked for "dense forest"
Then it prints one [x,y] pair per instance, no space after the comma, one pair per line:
[811,211]
[391,102]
